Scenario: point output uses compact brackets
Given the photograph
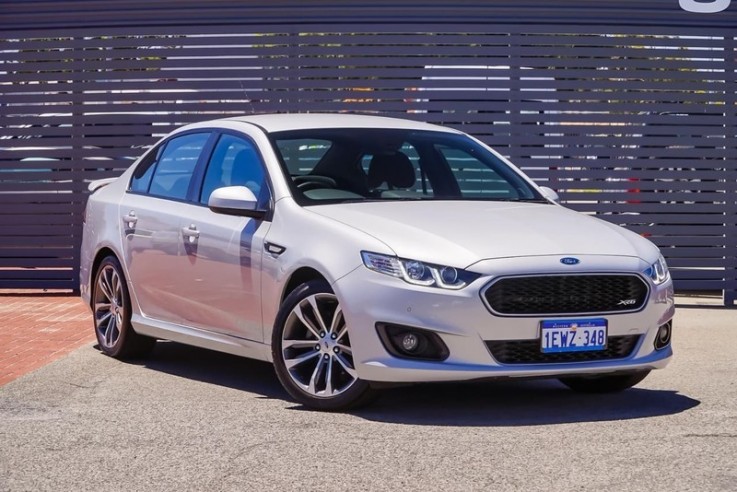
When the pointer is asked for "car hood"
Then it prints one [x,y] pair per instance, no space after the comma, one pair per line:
[461,233]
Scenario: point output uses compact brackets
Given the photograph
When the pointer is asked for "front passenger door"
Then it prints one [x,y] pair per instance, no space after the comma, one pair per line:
[221,277]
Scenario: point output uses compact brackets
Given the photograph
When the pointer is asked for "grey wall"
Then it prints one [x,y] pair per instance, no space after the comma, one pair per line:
[627,108]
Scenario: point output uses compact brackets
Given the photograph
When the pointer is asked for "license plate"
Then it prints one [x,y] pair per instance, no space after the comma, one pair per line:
[573,335]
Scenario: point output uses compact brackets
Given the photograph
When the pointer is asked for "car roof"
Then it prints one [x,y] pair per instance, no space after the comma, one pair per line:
[289,121]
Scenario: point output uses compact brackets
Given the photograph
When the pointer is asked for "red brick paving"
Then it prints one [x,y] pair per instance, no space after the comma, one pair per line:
[37,328]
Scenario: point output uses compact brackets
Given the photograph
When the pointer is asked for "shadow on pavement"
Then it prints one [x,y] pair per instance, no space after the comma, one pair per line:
[215,368]
[518,403]
[495,404]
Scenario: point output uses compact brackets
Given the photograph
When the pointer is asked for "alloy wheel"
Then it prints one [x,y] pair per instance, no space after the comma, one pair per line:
[316,347]
[109,306]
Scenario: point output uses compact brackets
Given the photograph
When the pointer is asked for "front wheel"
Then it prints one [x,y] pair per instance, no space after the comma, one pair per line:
[604,384]
[312,352]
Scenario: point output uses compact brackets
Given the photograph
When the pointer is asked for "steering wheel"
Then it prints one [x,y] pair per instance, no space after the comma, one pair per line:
[314,181]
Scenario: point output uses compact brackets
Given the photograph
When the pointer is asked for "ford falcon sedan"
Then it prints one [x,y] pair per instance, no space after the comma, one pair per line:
[357,252]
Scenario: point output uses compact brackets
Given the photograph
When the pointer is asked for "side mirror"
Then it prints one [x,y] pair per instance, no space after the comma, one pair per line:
[235,200]
[550,194]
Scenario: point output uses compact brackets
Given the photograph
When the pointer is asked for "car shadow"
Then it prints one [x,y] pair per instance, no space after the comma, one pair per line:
[492,404]
[518,403]
[217,368]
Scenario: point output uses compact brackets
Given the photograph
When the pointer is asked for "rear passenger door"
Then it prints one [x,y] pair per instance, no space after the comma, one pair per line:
[150,215]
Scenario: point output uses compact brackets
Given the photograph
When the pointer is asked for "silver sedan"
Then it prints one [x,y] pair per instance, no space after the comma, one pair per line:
[356,252]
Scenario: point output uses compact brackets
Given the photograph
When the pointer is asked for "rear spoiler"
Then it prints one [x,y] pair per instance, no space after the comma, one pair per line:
[99,183]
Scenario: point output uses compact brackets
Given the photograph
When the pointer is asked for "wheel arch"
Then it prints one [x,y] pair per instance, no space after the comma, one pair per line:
[298,277]
[101,254]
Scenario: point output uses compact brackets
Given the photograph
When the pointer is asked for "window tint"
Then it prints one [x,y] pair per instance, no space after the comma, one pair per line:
[175,166]
[405,174]
[301,155]
[474,177]
[234,162]
[354,164]
[142,175]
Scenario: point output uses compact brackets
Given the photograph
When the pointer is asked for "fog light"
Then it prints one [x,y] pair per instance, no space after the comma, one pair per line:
[662,339]
[410,342]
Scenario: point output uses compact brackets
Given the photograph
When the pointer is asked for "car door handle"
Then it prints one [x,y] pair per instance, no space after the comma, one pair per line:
[130,220]
[191,233]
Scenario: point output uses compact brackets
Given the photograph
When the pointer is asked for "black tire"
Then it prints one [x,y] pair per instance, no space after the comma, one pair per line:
[604,384]
[111,314]
[315,356]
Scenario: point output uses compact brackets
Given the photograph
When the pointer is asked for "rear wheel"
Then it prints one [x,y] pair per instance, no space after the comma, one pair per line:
[111,307]
[312,352]
[604,384]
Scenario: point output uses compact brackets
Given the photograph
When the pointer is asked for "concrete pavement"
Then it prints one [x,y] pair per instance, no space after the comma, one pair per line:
[190,419]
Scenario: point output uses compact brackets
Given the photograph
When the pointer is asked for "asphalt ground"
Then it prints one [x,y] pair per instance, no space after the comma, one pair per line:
[190,419]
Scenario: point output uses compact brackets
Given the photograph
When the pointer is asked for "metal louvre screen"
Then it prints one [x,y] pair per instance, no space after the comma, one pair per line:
[635,124]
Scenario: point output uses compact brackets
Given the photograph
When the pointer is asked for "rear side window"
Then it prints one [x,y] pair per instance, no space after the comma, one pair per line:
[168,175]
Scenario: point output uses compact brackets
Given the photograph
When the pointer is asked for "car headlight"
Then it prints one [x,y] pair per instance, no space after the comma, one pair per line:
[417,272]
[658,271]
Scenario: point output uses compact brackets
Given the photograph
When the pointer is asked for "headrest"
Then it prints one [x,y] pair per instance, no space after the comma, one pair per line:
[395,169]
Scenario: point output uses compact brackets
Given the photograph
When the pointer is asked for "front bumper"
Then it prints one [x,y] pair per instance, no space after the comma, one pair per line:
[464,323]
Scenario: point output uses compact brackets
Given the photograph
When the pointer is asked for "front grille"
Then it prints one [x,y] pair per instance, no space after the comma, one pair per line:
[528,351]
[567,294]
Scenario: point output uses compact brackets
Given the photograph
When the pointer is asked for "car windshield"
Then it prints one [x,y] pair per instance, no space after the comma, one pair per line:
[360,164]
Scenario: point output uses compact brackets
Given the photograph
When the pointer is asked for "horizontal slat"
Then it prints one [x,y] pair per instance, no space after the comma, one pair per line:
[44,250]
[46,243]
[379,45]
[324,56]
[655,209]
[419,94]
[688,285]
[38,209]
[701,263]
[36,219]
[137,16]
[699,241]
[32,274]
[39,282]
[706,230]
[253,74]
[62,230]
[362,102]
[38,263]
[702,275]
[370,34]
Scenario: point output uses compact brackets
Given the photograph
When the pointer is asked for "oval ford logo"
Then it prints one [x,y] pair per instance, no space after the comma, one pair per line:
[570,261]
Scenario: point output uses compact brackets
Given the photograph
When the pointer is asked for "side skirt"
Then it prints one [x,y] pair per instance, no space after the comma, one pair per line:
[201,338]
